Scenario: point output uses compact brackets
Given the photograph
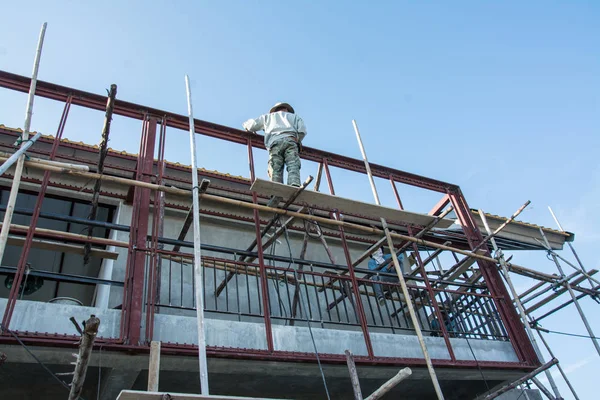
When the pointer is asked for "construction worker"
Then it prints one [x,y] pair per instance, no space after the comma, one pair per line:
[284,131]
[448,322]
[378,258]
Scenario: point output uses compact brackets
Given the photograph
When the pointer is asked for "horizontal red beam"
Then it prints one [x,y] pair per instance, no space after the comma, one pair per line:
[67,341]
[178,121]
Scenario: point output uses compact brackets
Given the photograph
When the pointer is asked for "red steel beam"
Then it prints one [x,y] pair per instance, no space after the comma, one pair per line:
[175,349]
[359,305]
[514,328]
[14,292]
[136,258]
[131,110]
[264,284]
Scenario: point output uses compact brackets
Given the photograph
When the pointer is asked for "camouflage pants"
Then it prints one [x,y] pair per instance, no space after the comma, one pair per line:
[284,152]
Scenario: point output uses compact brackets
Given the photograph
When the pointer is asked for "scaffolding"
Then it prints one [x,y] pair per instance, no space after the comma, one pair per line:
[465,300]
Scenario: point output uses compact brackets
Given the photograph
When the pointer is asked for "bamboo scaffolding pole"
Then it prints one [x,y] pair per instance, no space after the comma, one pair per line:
[16,182]
[543,389]
[400,273]
[574,298]
[569,302]
[520,307]
[67,235]
[78,167]
[504,225]
[553,296]
[578,269]
[197,249]
[546,289]
[413,315]
[521,380]
[562,372]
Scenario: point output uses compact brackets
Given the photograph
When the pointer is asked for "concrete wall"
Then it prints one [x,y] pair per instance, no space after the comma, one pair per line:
[45,317]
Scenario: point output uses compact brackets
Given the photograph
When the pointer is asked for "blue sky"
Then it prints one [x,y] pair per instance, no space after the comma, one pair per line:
[498,97]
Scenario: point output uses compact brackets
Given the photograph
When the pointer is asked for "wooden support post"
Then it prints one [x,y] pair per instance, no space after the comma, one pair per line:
[411,311]
[389,385]
[85,350]
[185,228]
[154,366]
[521,380]
[353,375]
[103,152]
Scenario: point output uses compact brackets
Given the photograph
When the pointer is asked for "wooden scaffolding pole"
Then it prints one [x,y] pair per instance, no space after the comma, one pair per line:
[518,382]
[516,299]
[573,297]
[400,273]
[198,278]
[413,314]
[16,182]
[88,336]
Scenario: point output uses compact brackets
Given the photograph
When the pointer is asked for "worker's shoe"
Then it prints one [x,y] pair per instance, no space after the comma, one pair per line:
[381,300]
[274,201]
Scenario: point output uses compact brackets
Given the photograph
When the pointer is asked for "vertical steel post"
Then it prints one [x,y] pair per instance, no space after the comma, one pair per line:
[158,215]
[359,305]
[395,189]
[136,259]
[198,276]
[129,267]
[264,284]
[10,305]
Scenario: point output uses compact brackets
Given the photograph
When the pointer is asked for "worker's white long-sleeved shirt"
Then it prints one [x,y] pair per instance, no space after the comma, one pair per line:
[277,125]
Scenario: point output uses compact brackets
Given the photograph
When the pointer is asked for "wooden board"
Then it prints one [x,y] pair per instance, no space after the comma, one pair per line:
[138,395]
[62,247]
[329,202]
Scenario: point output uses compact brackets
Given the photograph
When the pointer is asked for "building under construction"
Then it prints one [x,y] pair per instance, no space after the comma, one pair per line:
[286,290]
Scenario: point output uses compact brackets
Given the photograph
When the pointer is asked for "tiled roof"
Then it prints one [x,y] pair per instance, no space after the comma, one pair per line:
[95,147]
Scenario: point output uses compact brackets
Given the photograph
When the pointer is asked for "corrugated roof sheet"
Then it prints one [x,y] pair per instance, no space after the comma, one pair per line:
[488,215]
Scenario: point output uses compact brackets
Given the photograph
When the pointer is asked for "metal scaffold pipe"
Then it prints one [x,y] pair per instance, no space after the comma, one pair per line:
[367,166]
[14,190]
[197,248]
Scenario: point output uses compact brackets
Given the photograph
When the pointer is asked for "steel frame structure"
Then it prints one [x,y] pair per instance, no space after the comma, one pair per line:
[131,336]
